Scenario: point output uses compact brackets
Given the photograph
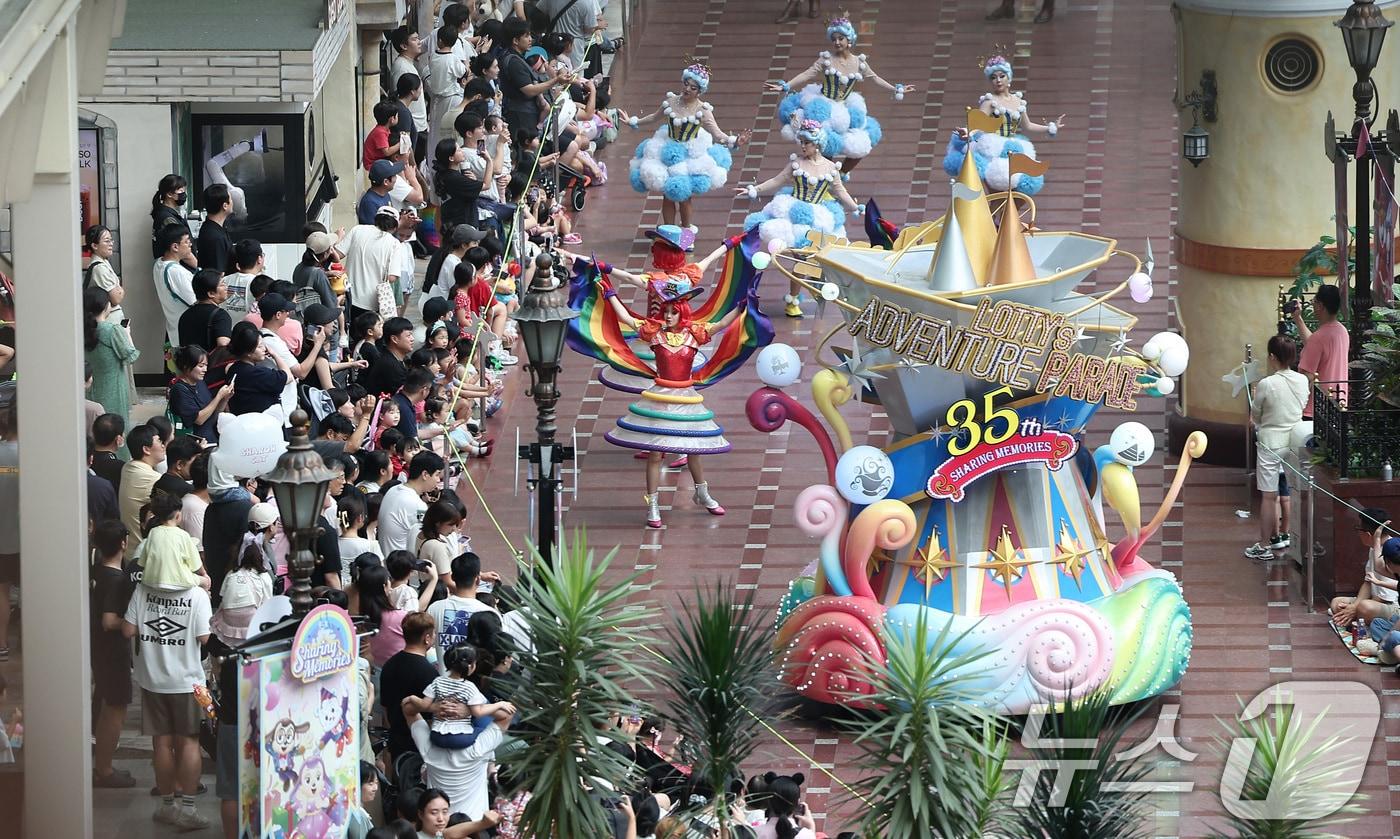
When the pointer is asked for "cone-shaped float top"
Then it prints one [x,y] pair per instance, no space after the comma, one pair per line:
[1011,262]
[975,218]
[952,269]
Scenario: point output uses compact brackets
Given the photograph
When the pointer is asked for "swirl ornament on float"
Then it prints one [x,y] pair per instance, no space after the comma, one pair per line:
[985,519]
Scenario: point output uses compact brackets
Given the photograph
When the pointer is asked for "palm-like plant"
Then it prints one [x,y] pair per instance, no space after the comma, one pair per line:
[921,752]
[717,672]
[1288,767]
[987,802]
[1101,800]
[588,646]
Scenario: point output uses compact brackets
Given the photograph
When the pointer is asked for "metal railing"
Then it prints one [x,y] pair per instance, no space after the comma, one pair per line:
[1357,434]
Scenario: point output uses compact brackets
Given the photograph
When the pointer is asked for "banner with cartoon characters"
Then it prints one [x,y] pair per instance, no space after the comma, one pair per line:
[300,760]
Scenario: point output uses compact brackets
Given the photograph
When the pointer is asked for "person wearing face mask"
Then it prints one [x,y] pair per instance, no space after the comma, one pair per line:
[168,209]
[826,92]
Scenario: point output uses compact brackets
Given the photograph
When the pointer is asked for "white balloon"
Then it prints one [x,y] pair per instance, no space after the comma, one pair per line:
[1132,443]
[1140,287]
[760,261]
[864,475]
[1165,385]
[830,291]
[1174,360]
[778,365]
[776,245]
[249,444]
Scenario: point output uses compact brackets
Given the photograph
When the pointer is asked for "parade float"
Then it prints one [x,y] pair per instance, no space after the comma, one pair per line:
[990,348]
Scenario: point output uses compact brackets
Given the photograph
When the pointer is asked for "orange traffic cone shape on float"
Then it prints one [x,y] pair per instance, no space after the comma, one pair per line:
[1011,262]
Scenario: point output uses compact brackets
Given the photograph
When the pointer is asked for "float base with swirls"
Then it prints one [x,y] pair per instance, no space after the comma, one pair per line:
[1134,643]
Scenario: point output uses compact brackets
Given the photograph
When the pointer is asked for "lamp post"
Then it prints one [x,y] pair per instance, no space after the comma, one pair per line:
[299,482]
[542,319]
[1363,31]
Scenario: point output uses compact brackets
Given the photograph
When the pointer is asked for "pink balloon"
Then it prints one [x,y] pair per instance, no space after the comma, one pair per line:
[776,245]
[1140,287]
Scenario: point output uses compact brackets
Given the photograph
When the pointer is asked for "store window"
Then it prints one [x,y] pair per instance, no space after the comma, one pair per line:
[260,158]
[96,166]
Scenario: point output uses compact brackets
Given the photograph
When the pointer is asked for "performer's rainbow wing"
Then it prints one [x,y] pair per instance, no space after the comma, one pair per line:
[596,332]
[737,286]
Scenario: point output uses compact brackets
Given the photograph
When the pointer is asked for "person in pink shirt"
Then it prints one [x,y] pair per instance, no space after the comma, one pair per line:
[290,332]
[1327,349]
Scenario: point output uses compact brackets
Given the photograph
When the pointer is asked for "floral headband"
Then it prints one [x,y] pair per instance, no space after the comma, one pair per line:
[698,73]
[841,26]
[811,131]
[995,64]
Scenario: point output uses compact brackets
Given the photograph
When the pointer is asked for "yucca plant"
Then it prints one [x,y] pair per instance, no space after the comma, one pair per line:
[717,672]
[1288,769]
[988,801]
[920,752]
[588,647]
[1100,801]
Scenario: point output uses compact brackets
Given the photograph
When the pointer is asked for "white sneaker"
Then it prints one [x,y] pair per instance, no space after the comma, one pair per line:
[166,813]
[190,820]
[506,358]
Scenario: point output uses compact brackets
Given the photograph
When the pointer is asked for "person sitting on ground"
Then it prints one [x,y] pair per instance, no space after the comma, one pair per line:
[460,662]
[1372,600]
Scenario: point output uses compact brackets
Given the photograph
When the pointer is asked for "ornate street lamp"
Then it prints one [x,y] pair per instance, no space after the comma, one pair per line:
[299,483]
[1363,31]
[542,320]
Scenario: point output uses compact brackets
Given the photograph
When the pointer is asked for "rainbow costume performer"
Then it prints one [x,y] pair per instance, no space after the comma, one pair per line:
[831,100]
[990,150]
[689,154]
[814,199]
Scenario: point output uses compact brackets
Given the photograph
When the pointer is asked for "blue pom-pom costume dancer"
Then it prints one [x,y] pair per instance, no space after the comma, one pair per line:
[689,154]
[826,93]
[811,196]
[991,150]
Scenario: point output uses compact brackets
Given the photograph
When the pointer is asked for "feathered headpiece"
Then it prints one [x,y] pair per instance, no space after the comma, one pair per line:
[841,26]
[698,73]
[996,62]
[811,131]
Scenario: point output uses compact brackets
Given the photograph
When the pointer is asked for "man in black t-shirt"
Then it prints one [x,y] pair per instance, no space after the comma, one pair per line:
[107,431]
[205,324]
[519,84]
[388,372]
[111,653]
[215,245]
[406,673]
[180,453]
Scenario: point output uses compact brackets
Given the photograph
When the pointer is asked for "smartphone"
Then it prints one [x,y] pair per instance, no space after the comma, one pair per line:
[233,381]
[481,146]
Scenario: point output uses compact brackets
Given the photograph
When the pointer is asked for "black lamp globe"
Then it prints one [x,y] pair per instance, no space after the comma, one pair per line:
[1195,144]
[543,318]
[1363,30]
[299,483]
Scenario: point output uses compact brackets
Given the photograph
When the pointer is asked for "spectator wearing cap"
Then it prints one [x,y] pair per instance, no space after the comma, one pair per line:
[249,261]
[207,324]
[261,286]
[215,246]
[276,310]
[372,257]
[1376,598]
[383,135]
[311,273]
[381,181]
[256,388]
[445,261]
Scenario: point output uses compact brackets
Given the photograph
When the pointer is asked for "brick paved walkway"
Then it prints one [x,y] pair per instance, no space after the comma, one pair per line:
[1109,66]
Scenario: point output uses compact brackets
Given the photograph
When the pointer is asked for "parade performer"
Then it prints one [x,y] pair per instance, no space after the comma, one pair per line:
[689,154]
[815,199]
[826,92]
[670,417]
[670,273]
[989,150]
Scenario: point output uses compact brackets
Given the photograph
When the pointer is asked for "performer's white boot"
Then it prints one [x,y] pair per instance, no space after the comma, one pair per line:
[702,497]
[653,510]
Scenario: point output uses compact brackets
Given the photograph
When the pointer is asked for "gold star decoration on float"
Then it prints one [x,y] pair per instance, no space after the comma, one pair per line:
[1003,562]
[1070,555]
[929,564]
